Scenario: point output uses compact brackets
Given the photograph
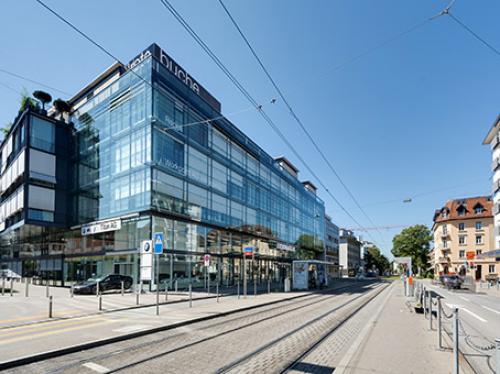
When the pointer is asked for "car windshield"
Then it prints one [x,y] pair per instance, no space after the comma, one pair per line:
[95,279]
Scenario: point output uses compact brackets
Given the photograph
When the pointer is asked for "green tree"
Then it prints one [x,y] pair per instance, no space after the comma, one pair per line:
[308,247]
[374,259]
[26,101]
[413,242]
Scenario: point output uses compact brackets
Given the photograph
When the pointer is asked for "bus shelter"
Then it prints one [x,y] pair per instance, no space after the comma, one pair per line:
[311,274]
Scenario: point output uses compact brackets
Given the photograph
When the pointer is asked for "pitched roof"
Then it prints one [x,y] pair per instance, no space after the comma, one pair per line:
[469,203]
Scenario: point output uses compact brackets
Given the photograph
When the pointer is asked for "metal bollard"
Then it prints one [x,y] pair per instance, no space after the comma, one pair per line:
[50,306]
[455,341]
[72,290]
[123,287]
[175,285]
[238,290]
[100,301]
[217,290]
[11,287]
[430,310]
[26,291]
[497,344]
[440,323]
[47,291]
[166,292]
[208,286]
[268,286]
[424,298]
[3,286]
[190,296]
[255,286]
[97,290]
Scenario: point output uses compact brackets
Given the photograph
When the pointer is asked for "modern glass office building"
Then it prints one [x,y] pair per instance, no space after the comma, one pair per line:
[146,158]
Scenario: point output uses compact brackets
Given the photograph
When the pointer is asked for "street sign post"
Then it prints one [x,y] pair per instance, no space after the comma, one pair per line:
[158,250]
[158,243]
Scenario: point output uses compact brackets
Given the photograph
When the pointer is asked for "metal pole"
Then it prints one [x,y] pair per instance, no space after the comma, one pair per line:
[217,290]
[430,310]
[455,341]
[497,344]
[123,287]
[190,296]
[50,306]
[47,291]
[269,286]
[425,302]
[138,292]
[100,301]
[238,289]
[11,286]
[175,286]
[3,286]
[157,285]
[26,292]
[254,285]
[166,292]
[97,290]
[440,325]
[72,290]
[208,283]
[244,278]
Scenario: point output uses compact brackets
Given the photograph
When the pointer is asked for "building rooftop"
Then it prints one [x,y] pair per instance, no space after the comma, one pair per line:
[495,127]
[452,208]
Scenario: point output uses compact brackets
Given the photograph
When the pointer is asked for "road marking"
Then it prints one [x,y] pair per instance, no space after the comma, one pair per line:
[491,310]
[451,306]
[96,367]
[38,317]
[51,323]
[464,298]
[45,326]
[34,336]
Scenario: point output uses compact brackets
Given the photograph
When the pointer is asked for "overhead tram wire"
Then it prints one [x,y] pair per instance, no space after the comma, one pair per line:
[230,76]
[296,117]
[10,88]
[247,95]
[32,81]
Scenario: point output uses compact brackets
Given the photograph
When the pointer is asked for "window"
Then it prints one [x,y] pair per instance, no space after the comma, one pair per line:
[40,215]
[219,142]
[479,225]
[479,239]
[445,214]
[168,152]
[445,244]
[461,211]
[198,166]
[461,253]
[42,134]
[461,226]
[445,230]
[478,251]
[462,240]
[478,209]
[491,268]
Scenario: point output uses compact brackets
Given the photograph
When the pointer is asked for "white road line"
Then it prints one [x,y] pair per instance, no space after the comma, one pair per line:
[96,367]
[491,310]
[474,315]
[464,298]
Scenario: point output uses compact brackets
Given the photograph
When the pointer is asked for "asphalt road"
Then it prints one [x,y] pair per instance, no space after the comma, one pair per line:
[263,340]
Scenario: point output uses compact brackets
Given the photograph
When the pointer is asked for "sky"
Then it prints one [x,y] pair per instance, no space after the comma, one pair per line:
[406,119]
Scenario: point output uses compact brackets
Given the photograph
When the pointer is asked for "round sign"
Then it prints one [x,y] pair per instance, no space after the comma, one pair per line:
[147,247]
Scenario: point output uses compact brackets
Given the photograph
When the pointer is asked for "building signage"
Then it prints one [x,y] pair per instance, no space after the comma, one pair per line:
[471,255]
[168,62]
[300,275]
[285,247]
[103,226]
[248,251]
[158,243]
[146,260]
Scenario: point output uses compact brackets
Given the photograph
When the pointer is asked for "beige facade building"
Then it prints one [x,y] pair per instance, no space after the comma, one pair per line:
[463,231]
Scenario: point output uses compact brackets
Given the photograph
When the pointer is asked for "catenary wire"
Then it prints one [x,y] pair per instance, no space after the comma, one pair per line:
[231,77]
[31,80]
[10,88]
[296,117]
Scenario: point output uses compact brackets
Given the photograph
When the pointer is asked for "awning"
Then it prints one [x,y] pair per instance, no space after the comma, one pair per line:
[494,253]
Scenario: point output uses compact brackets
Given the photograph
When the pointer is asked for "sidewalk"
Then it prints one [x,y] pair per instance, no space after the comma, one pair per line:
[396,340]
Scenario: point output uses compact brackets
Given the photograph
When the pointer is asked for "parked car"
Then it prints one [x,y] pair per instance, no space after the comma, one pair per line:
[108,282]
[452,281]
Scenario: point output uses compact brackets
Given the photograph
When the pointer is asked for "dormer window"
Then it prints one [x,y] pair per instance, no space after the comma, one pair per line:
[478,209]
[461,211]
[445,214]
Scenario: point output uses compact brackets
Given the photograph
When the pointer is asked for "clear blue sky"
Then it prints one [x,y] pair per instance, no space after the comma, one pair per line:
[404,120]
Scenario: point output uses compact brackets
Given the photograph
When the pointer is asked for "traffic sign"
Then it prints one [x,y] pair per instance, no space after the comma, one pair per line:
[158,243]
[248,251]
[206,259]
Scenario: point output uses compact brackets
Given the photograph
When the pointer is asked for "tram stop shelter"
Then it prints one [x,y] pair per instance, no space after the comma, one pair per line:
[311,274]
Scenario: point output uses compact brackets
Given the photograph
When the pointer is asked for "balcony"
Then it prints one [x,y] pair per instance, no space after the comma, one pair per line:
[445,235]
[495,142]
[495,164]
[496,186]
[443,260]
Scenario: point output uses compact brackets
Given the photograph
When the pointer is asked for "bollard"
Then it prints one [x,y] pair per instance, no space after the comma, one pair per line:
[157,299]
[424,297]
[430,310]
[97,290]
[166,291]
[238,290]
[123,287]
[217,290]
[254,286]
[50,306]
[72,290]
[190,296]
[47,291]
[175,284]
[455,341]
[26,292]
[440,323]
[497,345]
[498,284]
[11,286]
[100,301]
[208,286]
[268,286]
[3,286]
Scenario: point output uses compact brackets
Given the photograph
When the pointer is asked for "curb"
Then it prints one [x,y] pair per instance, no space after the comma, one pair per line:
[97,343]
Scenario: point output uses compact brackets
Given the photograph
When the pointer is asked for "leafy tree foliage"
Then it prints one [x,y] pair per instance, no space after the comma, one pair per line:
[413,242]
[374,259]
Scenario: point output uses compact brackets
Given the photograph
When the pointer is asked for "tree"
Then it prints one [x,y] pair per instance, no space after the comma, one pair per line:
[375,259]
[307,247]
[413,242]
[43,97]
[26,101]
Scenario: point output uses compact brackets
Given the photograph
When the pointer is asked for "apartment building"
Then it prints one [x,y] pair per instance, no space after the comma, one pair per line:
[463,231]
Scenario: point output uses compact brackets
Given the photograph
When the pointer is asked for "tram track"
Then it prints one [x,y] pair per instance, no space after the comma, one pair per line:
[256,316]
